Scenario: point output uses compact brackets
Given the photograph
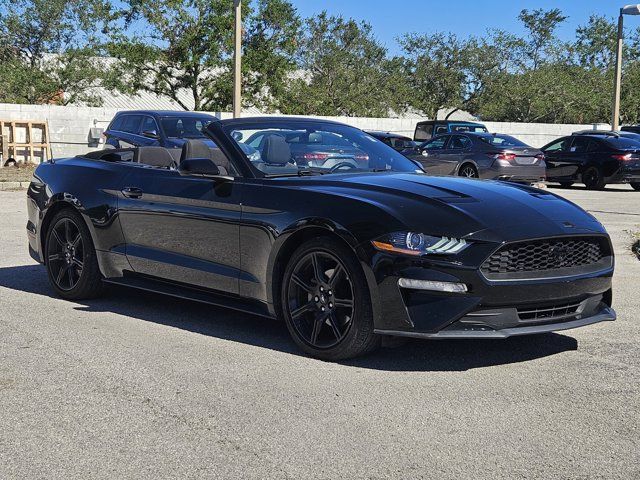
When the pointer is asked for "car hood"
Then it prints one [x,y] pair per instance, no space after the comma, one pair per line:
[491,210]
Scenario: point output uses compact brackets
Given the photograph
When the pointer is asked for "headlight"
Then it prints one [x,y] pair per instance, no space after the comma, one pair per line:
[411,243]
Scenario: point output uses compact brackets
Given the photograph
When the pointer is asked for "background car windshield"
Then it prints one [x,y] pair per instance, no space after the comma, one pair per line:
[502,141]
[288,147]
[184,127]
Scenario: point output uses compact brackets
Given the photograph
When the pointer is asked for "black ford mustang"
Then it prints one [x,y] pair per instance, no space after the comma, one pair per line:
[345,254]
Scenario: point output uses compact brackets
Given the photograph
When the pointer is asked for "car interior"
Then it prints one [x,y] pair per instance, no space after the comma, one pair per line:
[167,158]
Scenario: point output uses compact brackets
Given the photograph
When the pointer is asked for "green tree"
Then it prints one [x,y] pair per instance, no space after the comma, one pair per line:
[47,50]
[342,70]
[171,46]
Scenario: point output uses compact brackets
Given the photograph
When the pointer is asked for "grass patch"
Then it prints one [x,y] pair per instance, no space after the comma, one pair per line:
[17,173]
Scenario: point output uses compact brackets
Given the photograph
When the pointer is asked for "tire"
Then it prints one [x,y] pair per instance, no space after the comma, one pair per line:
[10,163]
[636,186]
[469,171]
[566,184]
[70,257]
[593,179]
[326,303]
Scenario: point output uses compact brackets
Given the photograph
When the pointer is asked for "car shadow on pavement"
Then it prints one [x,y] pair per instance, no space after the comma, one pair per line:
[409,355]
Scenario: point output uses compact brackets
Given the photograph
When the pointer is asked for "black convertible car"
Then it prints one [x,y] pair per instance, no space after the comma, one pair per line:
[344,255]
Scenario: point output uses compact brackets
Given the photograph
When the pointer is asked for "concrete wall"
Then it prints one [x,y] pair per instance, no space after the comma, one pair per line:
[69,126]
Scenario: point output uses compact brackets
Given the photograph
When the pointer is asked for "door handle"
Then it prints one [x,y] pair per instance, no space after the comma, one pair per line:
[132,192]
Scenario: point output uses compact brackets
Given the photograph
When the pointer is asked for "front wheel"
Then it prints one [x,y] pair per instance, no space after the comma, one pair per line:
[635,186]
[70,257]
[326,301]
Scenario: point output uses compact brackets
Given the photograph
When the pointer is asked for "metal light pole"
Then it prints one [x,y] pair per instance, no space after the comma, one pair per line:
[626,10]
[237,59]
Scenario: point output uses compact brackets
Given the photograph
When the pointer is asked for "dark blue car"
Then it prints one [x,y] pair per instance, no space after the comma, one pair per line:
[166,129]
[162,128]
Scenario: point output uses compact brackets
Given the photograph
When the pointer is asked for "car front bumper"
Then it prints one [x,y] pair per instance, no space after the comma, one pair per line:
[487,309]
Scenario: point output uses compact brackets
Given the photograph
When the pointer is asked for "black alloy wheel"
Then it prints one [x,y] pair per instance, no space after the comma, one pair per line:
[468,171]
[70,257]
[593,179]
[65,254]
[326,301]
[320,300]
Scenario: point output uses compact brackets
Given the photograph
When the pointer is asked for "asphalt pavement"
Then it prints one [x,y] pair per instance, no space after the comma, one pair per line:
[137,385]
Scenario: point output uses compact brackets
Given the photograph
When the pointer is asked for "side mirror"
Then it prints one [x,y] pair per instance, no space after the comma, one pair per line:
[151,134]
[199,166]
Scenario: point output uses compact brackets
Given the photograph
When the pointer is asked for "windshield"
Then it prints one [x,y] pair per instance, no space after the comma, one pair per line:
[184,127]
[502,141]
[299,147]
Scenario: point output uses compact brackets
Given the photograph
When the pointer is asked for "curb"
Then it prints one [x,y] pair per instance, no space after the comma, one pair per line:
[13,186]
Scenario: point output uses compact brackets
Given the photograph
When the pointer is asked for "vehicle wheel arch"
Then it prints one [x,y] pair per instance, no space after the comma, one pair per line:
[293,239]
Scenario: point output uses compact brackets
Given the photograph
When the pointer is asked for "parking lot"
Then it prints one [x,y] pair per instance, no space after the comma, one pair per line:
[140,385]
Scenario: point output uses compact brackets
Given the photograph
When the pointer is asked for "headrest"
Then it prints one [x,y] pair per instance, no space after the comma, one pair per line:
[155,156]
[276,150]
[193,148]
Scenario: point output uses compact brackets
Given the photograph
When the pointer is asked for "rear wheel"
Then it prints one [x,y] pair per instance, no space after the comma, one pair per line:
[70,257]
[593,178]
[326,301]
[566,184]
[468,171]
[635,186]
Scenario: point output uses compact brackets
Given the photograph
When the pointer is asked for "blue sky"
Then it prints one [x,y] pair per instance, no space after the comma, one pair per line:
[463,17]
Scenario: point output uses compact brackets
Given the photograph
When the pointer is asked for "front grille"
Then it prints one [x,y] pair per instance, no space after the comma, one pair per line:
[543,256]
[548,313]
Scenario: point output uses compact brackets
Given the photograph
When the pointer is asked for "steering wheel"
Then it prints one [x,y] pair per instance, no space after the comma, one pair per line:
[342,165]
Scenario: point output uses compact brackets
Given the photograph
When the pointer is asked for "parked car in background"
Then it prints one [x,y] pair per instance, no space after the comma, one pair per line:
[399,143]
[595,158]
[430,128]
[481,155]
[631,128]
[161,128]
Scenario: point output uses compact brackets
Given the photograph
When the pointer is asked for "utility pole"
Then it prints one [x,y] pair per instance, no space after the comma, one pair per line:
[237,60]
[615,118]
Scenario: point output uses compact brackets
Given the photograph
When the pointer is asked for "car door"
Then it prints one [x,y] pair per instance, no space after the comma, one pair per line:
[182,228]
[556,157]
[430,154]
[452,154]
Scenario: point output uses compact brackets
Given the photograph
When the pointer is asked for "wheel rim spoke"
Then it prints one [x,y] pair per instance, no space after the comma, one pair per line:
[78,263]
[333,322]
[76,240]
[67,231]
[344,302]
[301,283]
[317,326]
[303,309]
[335,275]
[316,268]
[54,257]
[61,274]
[56,235]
